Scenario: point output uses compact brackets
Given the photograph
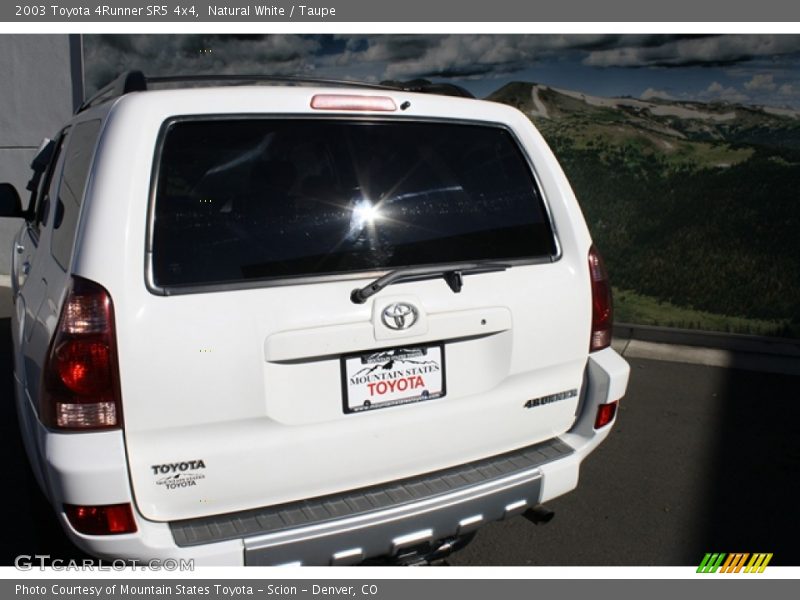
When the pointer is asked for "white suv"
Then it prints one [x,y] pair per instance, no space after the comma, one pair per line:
[303,324]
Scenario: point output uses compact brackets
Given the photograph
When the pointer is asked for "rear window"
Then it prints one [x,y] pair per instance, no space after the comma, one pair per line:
[251,199]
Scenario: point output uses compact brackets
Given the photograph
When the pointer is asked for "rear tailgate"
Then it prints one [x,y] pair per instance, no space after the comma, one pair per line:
[250,377]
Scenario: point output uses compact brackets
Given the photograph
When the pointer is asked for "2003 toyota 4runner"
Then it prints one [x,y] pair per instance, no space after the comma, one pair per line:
[303,324]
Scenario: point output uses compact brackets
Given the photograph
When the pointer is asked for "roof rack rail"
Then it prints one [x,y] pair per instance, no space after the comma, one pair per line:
[128,81]
[266,78]
[428,87]
[136,81]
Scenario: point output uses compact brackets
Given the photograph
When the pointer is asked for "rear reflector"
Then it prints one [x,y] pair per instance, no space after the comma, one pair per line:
[602,312]
[352,102]
[605,414]
[110,519]
[81,375]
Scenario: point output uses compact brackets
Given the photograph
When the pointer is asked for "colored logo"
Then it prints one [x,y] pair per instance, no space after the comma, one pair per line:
[734,563]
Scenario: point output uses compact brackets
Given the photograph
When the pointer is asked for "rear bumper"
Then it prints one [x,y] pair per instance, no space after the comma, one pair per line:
[383,520]
[347,528]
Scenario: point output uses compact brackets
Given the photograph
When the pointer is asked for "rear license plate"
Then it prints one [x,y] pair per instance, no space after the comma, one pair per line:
[392,377]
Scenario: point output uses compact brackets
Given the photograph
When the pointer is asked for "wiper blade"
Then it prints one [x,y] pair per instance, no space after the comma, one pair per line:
[452,274]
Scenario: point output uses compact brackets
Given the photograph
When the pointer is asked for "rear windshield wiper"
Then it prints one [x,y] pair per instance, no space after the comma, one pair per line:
[452,274]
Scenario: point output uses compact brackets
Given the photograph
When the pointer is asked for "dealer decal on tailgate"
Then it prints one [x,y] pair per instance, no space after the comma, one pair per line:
[179,474]
[393,377]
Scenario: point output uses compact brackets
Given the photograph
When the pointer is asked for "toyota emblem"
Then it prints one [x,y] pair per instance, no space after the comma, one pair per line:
[399,315]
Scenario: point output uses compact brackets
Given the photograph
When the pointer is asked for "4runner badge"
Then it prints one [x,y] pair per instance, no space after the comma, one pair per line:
[180,474]
[399,315]
[534,402]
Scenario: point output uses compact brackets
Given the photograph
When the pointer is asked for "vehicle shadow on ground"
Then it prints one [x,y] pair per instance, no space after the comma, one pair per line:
[701,459]
[30,526]
[751,506]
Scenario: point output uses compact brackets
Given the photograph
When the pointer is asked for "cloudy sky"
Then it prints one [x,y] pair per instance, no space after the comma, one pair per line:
[750,69]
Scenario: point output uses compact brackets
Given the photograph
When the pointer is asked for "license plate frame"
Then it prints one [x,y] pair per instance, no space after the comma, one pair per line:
[424,361]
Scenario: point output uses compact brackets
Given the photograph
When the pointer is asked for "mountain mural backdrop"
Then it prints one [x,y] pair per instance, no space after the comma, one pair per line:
[695,206]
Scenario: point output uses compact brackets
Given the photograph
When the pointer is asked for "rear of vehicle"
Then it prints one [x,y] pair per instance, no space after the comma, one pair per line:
[218,391]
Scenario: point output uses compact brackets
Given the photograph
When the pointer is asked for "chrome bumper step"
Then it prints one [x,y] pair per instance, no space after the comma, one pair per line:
[383,519]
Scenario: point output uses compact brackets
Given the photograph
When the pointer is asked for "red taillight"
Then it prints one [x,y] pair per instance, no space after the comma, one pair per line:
[111,519]
[81,376]
[352,102]
[602,313]
[605,414]
[84,366]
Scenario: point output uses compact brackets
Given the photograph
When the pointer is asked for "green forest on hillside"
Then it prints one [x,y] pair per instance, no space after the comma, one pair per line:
[722,240]
[699,226]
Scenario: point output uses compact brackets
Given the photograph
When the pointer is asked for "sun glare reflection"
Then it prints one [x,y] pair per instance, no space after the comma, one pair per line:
[364,214]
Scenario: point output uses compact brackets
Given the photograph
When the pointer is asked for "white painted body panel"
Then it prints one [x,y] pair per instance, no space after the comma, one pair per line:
[607,376]
[249,380]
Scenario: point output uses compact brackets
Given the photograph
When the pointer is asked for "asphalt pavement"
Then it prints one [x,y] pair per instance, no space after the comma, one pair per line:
[701,459]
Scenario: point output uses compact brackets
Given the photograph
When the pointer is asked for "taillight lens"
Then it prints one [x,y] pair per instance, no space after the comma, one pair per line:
[605,414]
[109,519]
[602,312]
[81,376]
[83,366]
